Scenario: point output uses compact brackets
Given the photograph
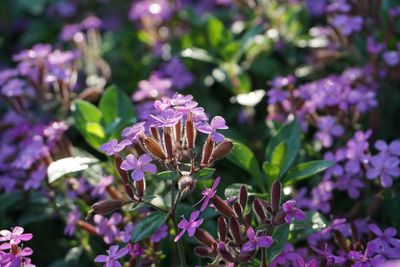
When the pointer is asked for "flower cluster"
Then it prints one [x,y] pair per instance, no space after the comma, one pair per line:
[12,251]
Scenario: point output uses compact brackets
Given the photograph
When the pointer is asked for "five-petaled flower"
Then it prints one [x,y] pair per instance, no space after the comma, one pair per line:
[217,123]
[291,212]
[112,147]
[139,166]
[208,194]
[189,226]
[111,260]
[167,118]
[384,239]
[13,237]
[256,241]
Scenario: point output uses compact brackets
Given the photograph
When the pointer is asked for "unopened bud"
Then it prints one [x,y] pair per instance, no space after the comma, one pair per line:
[246,256]
[221,150]
[186,184]
[222,207]
[178,132]
[238,210]
[204,252]
[247,218]
[154,148]
[276,196]
[279,218]
[190,133]
[235,230]
[154,132]
[140,188]
[168,142]
[224,253]
[130,191]
[222,228]
[207,151]
[259,209]
[204,237]
[243,197]
[106,206]
[122,173]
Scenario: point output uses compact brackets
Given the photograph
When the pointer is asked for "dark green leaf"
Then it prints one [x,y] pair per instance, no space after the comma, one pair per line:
[148,226]
[204,173]
[234,189]
[242,156]
[291,134]
[116,105]
[313,222]
[305,170]
[280,237]
[167,175]
[9,199]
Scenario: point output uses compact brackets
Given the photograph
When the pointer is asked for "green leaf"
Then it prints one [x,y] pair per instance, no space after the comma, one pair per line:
[313,222]
[243,157]
[305,170]
[291,134]
[215,31]
[9,199]
[271,171]
[204,173]
[61,167]
[116,105]
[88,122]
[278,155]
[234,189]
[148,226]
[280,237]
[167,175]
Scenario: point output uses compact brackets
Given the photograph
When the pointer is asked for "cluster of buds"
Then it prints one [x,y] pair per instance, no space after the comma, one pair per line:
[169,136]
[238,242]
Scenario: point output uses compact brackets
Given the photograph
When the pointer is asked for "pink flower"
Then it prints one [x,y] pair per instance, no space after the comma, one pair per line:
[217,123]
[292,212]
[112,147]
[209,193]
[189,226]
[14,238]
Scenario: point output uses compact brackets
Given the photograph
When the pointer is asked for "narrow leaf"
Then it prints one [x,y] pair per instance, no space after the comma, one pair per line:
[305,170]
[148,226]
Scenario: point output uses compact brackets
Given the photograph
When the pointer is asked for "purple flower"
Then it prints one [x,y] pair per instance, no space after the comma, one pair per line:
[256,241]
[153,88]
[101,186]
[108,227]
[385,239]
[126,235]
[135,250]
[156,10]
[393,149]
[356,151]
[177,72]
[36,177]
[13,237]
[327,128]
[216,123]
[368,258]
[133,132]
[291,212]
[139,166]
[113,254]
[91,22]
[113,147]
[209,193]
[384,167]
[329,256]
[277,95]
[72,218]
[301,263]
[288,255]
[189,226]
[167,118]
[13,88]
[374,47]
[392,58]
[160,234]
[347,24]
[351,184]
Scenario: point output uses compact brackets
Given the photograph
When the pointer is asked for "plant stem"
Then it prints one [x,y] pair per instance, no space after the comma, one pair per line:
[172,215]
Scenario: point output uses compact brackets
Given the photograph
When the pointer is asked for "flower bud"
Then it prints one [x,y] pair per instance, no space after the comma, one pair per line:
[279,218]
[222,207]
[243,197]
[154,133]
[259,209]
[276,196]
[247,218]
[207,151]
[246,256]
[221,228]
[221,150]
[204,252]
[178,132]
[140,188]
[204,237]
[130,191]
[186,184]
[224,253]
[168,142]
[190,133]
[235,230]
[122,173]
[106,206]
[154,148]
[238,210]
